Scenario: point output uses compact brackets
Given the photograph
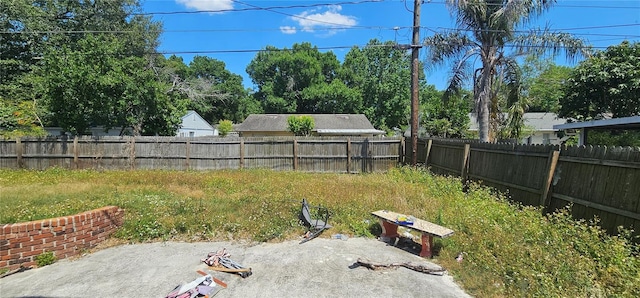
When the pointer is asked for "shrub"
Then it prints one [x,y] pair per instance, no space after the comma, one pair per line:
[300,125]
[225,127]
[45,258]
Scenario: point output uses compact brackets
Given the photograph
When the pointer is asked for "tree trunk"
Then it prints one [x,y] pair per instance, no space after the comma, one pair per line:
[483,106]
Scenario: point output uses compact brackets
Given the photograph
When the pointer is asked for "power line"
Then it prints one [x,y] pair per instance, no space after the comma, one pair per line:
[290,15]
[256,8]
[333,48]
[559,5]
[395,28]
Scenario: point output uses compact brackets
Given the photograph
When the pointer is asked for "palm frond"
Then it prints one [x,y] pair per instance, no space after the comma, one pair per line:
[512,77]
[541,42]
[446,45]
[457,79]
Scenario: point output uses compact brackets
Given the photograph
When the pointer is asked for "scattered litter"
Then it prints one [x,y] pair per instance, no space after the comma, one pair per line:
[340,237]
[459,257]
[204,286]
[415,267]
[405,220]
[220,261]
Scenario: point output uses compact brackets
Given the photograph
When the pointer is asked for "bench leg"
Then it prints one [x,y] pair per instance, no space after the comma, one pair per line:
[427,244]
[389,230]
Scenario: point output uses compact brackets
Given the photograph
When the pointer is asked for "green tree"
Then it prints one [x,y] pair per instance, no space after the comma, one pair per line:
[542,84]
[445,118]
[110,79]
[212,90]
[19,120]
[608,83]
[225,127]
[281,75]
[35,26]
[300,125]
[483,30]
[380,72]
[332,98]
[96,83]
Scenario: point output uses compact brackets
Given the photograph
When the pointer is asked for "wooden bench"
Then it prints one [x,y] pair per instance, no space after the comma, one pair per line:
[389,223]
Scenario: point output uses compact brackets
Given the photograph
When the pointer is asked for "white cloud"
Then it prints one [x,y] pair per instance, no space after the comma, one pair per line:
[331,18]
[207,4]
[288,29]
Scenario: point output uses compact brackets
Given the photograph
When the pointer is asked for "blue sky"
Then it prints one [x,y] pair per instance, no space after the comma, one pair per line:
[232,31]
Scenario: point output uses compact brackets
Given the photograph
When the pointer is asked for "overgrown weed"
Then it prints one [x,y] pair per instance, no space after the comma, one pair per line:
[508,250]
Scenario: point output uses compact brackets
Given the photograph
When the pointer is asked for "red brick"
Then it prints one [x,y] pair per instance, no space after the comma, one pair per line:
[31,243]
[44,246]
[32,253]
[19,250]
[43,235]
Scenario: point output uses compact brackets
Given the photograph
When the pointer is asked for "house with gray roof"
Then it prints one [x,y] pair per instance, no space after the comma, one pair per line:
[263,125]
[539,126]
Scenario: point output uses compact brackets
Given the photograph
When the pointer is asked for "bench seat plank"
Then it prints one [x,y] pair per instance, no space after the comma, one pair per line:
[419,225]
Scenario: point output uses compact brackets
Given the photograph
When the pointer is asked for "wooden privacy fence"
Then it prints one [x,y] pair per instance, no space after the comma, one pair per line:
[313,154]
[599,181]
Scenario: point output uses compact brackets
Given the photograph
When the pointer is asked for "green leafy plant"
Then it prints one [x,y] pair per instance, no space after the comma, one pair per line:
[45,258]
[225,127]
[300,125]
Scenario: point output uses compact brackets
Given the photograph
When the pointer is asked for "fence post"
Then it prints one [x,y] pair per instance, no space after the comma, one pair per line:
[427,152]
[403,148]
[19,151]
[75,152]
[552,161]
[241,153]
[465,162]
[348,155]
[295,154]
[188,154]
[132,152]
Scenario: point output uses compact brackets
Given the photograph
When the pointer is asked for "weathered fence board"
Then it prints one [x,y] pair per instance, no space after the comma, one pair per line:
[337,154]
[600,182]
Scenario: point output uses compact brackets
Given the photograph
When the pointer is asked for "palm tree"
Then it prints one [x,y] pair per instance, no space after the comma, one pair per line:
[484,30]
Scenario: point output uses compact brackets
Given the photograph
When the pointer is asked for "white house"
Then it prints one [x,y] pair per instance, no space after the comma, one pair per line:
[193,125]
[541,125]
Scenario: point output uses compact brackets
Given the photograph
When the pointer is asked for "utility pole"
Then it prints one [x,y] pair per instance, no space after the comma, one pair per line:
[415,85]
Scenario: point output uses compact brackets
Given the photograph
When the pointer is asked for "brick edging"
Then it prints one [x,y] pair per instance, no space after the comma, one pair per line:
[66,236]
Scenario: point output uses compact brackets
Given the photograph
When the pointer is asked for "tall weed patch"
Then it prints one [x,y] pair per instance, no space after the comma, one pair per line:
[507,250]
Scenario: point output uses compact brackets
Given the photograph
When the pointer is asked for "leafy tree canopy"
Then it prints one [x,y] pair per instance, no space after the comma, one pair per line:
[381,72]
[542,84]
[19,120]
[281,75]
[95,83]
[608,83]
[445,118]
[212,90]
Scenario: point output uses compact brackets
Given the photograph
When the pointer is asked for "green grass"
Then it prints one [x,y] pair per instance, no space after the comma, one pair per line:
[509,250]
